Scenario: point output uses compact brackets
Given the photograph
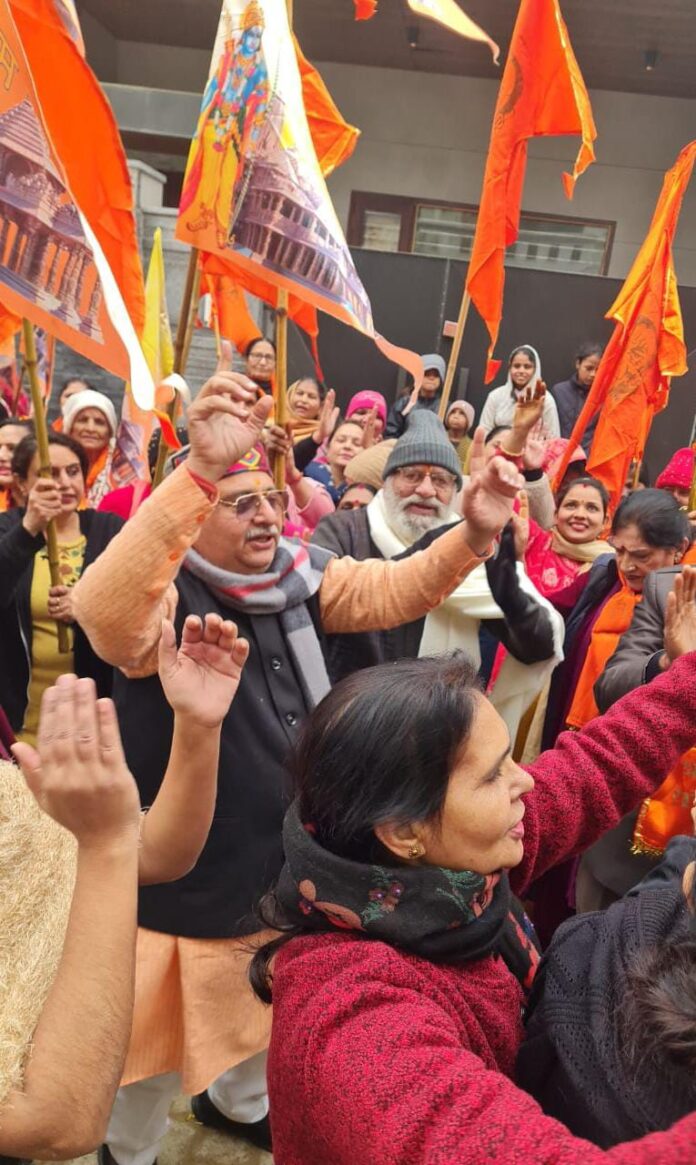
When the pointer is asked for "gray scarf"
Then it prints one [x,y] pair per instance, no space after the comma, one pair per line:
[294,576]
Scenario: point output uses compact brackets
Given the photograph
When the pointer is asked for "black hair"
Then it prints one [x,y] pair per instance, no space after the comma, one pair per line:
[658,517]
[317,384]
[529,353]
[357,485]
[22,423]
[658,1014]
[28,447]
[586,349]
[495,431]
[379,748]
[71,380]
[586,480]
[257,340]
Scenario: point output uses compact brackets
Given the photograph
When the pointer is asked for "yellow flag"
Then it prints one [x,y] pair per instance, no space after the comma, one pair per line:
[157,334]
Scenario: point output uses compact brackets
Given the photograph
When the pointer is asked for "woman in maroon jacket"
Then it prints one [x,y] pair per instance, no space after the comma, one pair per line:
[399,985]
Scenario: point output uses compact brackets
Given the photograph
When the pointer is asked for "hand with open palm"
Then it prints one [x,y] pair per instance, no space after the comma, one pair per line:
[201,678]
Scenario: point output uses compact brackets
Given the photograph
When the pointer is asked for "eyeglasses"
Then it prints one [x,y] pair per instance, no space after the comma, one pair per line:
[440,479]
[248,505]
[262,357]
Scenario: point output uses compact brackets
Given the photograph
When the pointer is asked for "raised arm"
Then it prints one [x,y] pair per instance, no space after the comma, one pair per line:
[138,567]
[378,594]
[200,681]
[640,655]
[586,784]
[79,1045]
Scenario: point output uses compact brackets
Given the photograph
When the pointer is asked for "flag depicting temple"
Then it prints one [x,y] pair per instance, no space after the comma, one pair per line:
[53,270]
[253,191]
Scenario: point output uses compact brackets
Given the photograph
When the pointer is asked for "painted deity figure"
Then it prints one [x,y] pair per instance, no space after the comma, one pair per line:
[232,113]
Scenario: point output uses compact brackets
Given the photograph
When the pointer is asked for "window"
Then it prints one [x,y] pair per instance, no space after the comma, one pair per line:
[381,222]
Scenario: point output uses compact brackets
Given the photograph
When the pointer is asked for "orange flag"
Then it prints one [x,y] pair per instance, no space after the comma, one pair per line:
[333,138]
[83,131]
[646,348]
[53,269]
[541,93]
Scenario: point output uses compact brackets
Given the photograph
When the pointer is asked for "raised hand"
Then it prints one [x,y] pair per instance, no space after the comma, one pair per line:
[411,402]
[680,615]
[225,420]
[327,419]
[489,495]
[535,446]
[529,408]
[520,526]
[369,435]
[43,504]
[278,441]
[78,772]
[201,678]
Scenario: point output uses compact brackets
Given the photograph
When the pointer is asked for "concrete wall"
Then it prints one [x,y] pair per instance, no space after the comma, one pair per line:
[426,134]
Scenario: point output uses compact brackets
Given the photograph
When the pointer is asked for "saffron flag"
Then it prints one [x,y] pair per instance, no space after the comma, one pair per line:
[81,128]
[130,459]
[449,13]
[229,314]
[332,137]
[53,270]
[646,348]
[542,93]
[253,191]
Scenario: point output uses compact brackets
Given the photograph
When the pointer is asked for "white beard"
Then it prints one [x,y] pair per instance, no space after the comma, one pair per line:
[410,527]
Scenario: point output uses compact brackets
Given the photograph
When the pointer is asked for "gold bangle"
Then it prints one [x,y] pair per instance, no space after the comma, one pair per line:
[508,453]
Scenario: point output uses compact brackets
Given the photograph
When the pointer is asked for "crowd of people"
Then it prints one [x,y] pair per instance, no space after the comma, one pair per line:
[413,730]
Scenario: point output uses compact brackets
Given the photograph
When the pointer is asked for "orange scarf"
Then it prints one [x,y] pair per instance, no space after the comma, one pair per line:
[668,812]
[614,618]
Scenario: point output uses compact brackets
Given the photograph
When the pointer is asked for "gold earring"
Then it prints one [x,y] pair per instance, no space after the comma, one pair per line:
[417,850]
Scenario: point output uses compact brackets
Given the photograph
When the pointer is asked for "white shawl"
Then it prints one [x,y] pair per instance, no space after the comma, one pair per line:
[454,625]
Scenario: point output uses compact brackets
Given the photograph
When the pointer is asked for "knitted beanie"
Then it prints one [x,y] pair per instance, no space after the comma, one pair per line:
[367,399]
[425,442]
[368,465]
[89,398]
[466,408]
[678,472]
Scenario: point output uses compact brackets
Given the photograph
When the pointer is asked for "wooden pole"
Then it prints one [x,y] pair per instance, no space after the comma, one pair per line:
[454,354]
[182,343]
[44,467]
[281,380]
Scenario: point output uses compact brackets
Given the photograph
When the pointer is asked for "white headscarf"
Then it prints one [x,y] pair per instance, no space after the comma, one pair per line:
[536,375]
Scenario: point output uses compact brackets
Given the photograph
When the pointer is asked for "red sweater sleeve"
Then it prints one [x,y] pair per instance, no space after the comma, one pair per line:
[586,784]
[384,1078]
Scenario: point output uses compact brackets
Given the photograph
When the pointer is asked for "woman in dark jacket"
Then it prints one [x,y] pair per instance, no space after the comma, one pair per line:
[570,395]
[30,607]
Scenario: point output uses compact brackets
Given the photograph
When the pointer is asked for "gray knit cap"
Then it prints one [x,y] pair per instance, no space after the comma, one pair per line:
[425,442]
[432,360]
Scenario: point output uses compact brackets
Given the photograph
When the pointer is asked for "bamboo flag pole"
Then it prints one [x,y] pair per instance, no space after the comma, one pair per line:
[41,431]
[454,354]
[281,381]
[182,344]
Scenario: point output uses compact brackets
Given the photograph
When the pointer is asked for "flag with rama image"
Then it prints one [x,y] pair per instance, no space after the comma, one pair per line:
[253,191]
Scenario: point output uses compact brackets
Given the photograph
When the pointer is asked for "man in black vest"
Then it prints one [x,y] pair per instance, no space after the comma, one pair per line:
[209,539]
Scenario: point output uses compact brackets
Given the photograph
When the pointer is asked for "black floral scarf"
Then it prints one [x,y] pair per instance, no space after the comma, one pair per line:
[445,916]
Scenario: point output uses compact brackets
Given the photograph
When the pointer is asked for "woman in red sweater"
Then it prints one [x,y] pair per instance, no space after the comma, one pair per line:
[399,985]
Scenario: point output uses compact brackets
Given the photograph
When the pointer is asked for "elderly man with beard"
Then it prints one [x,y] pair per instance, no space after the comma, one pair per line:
[208,539]
[416,505]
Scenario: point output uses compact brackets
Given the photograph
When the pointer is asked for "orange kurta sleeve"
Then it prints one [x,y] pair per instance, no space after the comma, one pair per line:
[378,594]
[121,599]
